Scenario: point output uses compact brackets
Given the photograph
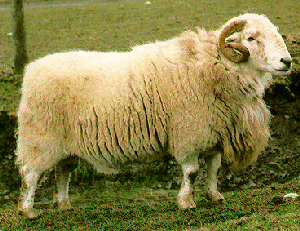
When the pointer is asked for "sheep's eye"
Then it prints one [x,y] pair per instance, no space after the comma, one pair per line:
[251,39]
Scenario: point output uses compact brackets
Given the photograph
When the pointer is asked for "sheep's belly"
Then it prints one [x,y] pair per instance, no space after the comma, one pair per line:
[125,164]
[111,145]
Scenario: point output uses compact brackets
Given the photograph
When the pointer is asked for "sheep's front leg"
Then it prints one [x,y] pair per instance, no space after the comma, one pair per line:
[61,191]
[29,185]
[190,171]
[213,162]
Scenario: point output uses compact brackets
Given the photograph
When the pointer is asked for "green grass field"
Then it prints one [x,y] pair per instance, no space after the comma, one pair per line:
[132,207]
[118,25]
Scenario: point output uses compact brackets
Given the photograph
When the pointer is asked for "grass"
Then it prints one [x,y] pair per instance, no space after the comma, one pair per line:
[132,207]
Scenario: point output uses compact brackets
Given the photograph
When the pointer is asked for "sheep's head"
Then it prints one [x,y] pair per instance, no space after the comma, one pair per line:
[254,39]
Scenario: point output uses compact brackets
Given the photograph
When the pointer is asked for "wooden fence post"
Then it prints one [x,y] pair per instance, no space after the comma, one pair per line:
[19,37]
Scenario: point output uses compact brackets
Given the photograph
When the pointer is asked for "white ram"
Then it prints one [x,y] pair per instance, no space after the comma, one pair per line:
[196,94]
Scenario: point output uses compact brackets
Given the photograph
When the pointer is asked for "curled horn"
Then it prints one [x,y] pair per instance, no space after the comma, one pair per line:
[234,52]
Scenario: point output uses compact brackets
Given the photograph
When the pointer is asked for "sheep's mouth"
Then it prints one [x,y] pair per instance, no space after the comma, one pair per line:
[284,69]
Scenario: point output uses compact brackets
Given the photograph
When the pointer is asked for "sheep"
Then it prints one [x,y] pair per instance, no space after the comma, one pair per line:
[197,94]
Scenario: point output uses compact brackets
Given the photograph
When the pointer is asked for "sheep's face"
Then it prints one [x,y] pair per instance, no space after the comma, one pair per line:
[268,52]
[253,39]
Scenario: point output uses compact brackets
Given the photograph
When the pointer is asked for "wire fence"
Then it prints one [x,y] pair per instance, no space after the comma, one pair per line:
[129,25]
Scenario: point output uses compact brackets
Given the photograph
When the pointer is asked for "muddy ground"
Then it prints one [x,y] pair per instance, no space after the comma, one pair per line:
[280,162]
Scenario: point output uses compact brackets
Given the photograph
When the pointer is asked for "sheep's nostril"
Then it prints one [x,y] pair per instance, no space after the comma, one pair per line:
[287,61]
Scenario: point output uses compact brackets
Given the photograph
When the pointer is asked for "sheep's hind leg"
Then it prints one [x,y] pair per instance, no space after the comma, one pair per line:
[190,171]
[29,185]
[62,178]
[213,162]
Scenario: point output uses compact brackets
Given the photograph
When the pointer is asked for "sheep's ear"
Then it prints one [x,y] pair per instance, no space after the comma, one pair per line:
[233,51]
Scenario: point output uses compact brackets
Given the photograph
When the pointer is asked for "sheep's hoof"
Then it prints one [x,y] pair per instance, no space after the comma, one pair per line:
[30,213]
[186,202]
[215,198]
[64,206]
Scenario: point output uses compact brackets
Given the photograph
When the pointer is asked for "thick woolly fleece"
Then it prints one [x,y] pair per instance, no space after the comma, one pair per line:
[174,96]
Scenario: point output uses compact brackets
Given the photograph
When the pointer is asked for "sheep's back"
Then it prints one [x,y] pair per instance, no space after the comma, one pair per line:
[73,81]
